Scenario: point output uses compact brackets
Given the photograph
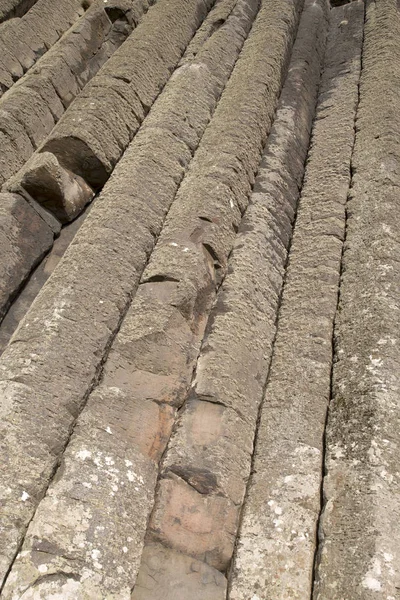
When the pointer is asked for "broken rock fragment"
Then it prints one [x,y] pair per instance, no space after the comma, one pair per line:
[54,187]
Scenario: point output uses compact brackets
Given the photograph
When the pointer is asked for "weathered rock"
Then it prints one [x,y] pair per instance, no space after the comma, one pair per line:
[26,106]
[144,240]
[219,421]
[101,495]
[14,8]
[57,189]
[206,435]
[196,509]
[82,302]
[59,76]
[27,38]
[194,523]
[47,216]
[359,553]
[91,138]
[38,278]
[169,575]
[14,137]
[24,239]
[276,544]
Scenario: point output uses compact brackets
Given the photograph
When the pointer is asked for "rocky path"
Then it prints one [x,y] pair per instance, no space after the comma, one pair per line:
[199,296]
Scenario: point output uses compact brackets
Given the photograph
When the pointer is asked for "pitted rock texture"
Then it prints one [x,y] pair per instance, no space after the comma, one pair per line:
[277,542]
[360,538]
[198,300]
[24,238]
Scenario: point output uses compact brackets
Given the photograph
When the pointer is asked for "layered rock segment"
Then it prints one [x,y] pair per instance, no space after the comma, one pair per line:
[137,476]
[120,213]
[201,489]
[359,554]
[14,8]
[24,238]
[24,40]
[44,381]
[96,130]
[34,105]
[277,540]
[35,279]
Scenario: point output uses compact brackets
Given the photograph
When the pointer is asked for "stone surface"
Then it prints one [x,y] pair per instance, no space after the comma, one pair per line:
[169,575]
[14,8]
[105,286]
[276,544]
[182,404]
[218,422]
[27,38]
[58,77]
[359,554]
[24,239]
[125,222]
[91,137]
[20,147]
[90,522]
[37,279]
[206,436]
[47,216]
[196,509]
[57,189]
[194,523]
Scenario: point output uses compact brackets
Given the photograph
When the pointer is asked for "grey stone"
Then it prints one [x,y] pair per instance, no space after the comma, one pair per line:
[359,551]
[24,239]
[91,138]
[26,106]
[53,187]
[14,8]
[219,418]
[85,540]
[57,78]
[30,36]
[91,290]
[40,275]
[46,215]
[127,229]
[277,538]
[169,575]
[200,492]
[18,140]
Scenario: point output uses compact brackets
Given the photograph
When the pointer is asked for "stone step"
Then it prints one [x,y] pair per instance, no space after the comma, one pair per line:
[24,40]
[359,553]
[96,130]
[100,272]
[201,488]
[38,100]
[277,539]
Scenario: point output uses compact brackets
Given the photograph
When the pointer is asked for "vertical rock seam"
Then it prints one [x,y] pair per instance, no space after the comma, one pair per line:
[275,552]
[47,370]
[359,532]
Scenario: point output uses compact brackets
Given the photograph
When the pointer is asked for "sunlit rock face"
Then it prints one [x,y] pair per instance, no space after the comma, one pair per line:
[198,300]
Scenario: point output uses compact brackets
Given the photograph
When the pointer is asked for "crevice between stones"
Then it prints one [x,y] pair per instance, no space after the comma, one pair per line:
[93,384]
[319,541]
[229,571]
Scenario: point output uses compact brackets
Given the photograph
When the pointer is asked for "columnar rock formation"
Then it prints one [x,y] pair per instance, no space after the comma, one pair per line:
[199,300]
